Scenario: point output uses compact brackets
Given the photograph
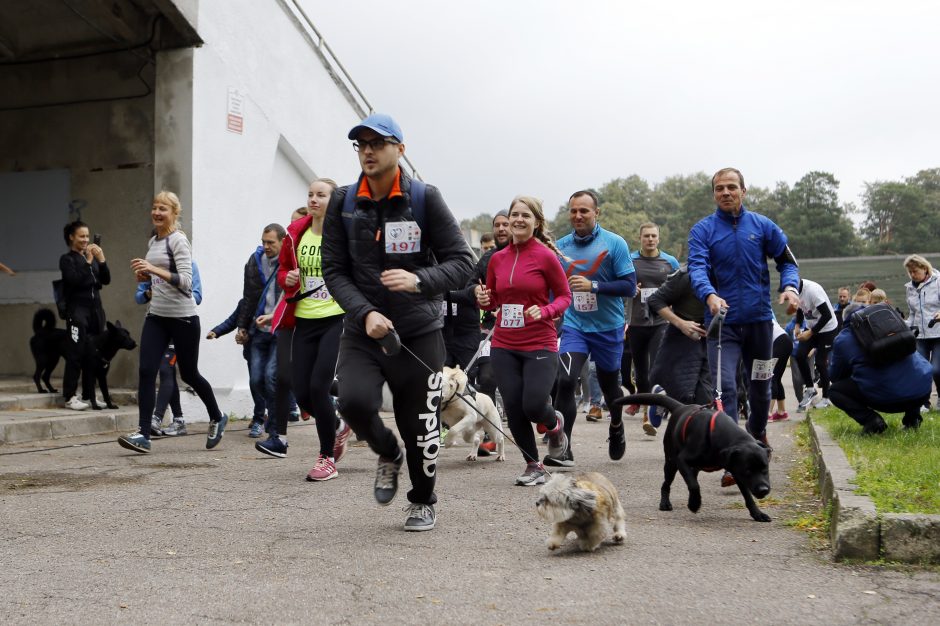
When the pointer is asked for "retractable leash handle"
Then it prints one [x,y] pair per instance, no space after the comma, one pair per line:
[714,329]
[714,332]
[391,343]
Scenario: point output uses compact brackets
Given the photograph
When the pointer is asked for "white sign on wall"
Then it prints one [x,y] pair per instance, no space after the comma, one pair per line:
[235,118]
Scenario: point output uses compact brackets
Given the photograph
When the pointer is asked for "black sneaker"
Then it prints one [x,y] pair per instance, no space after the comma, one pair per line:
[386,481]
[875,427]
[214,435]
[565,460]
[420,517]
[616,442]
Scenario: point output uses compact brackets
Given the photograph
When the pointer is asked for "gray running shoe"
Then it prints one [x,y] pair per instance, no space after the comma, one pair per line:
[808,394]
[214,434]
[420,517]
[565,460]
[534,474]
[156,427]
[386,478]
[177,428]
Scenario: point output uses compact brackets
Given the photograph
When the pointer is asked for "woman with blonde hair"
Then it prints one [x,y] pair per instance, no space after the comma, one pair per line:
[312,319]
[923,301]
[524,349]
[171,318]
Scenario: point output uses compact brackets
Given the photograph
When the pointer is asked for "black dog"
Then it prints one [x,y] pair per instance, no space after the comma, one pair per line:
[106,346]
[49,344]
[704,439]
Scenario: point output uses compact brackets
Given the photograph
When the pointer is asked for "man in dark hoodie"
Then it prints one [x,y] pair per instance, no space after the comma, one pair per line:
[482,371]
[387,264]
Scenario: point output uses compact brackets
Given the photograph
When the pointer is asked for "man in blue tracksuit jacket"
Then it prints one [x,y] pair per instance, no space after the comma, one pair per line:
[728,253]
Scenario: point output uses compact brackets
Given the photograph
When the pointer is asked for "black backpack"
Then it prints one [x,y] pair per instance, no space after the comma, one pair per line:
[58,294]
[882,333]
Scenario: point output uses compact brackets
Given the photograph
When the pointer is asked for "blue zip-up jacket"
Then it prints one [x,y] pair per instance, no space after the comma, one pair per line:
[728,257]
[907,379]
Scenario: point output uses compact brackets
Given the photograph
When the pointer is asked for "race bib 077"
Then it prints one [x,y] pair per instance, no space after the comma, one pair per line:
[511,316]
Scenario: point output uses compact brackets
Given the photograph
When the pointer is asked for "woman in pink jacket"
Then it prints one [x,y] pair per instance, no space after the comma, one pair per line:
[527,288]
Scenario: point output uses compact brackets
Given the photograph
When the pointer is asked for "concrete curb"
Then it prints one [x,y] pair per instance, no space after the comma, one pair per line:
[857,530]
[26,426]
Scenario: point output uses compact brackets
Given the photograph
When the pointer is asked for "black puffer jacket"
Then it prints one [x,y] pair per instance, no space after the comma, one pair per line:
[352,265]
[681,365]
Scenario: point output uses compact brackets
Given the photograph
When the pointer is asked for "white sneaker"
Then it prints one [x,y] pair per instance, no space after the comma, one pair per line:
[76,405]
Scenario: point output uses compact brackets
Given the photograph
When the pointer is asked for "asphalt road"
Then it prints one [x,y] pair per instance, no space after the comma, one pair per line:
[93,534]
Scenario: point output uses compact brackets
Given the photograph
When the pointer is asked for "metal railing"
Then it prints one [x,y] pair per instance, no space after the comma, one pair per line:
[337,71]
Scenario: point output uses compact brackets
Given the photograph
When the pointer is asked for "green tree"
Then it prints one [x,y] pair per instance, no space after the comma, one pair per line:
[631,193]
[815,223]
[895,220]
[677,204]
[482,222]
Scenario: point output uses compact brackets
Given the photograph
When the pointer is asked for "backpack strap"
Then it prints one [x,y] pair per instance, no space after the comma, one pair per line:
[169,254]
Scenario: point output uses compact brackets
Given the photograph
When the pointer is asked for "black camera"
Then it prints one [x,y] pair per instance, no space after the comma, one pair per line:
[97,239]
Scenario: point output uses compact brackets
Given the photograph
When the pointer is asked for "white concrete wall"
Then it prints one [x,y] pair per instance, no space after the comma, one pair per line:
[241,182]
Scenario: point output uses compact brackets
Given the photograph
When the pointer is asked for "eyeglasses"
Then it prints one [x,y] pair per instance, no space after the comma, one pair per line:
[375,144]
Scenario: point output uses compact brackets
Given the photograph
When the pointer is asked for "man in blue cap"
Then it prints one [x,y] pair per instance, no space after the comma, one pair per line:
[389,253]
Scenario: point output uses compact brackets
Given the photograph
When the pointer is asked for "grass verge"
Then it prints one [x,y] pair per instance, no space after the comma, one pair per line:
[801,508]
[898,469]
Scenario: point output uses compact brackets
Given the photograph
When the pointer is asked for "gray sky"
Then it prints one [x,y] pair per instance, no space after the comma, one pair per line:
[503,97]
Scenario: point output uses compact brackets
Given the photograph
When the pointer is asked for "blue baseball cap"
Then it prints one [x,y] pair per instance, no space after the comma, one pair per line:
[382,124]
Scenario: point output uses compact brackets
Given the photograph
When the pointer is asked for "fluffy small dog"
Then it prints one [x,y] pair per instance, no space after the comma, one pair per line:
[587,504]
[468,415]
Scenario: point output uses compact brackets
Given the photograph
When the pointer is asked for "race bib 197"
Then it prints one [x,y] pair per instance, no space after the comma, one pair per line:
[402,237]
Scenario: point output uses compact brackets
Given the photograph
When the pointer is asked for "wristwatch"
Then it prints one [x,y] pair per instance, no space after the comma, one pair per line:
[417,284]
[593,286]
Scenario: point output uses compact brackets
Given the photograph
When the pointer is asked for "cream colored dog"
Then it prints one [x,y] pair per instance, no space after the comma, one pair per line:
[457,412]
[587,504]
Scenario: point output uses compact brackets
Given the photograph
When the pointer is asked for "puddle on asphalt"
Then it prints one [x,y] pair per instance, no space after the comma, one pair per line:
[32,481]
[178,465]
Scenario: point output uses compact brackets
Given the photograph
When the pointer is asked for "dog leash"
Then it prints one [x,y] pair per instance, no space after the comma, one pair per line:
[714,331]
[476,355]
[478,412]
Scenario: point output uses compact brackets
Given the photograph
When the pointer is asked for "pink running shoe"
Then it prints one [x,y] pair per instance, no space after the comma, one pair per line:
[340,447]
[778,417]
[325,469]
[632,409]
